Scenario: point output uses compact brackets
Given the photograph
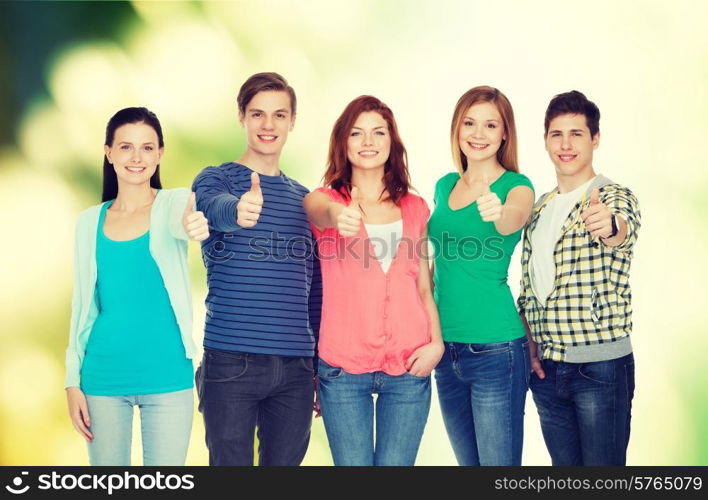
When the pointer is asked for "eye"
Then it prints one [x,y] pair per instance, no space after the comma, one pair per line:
[468,123]
[256,114]
[555,134]
[354,133]
[380,132]
[577,134]
[281,115]
[126,147]
[149,148]
[491,125]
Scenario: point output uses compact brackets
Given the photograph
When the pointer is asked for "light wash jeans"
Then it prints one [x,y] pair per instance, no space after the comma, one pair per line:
[165,422]
[399,419]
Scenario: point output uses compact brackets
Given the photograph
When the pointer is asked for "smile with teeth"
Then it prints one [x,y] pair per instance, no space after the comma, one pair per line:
[267,138]
[135,170]
[476,146]
[567,157]
[368,154]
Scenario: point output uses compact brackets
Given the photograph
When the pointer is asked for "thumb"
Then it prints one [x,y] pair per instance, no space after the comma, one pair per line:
[594,196]
[255,183]
[356,197]
[191,203]
[485,182]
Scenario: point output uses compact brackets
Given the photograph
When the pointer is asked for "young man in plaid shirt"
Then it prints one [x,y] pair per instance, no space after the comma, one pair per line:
[575,295]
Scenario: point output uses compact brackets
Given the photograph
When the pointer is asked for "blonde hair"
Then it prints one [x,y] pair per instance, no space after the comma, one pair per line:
[507,153]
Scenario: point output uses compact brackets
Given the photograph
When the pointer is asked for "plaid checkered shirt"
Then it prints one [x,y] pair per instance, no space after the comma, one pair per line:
[588,315]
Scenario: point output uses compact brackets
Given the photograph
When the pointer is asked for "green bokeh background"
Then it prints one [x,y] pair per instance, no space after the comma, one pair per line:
[68,66]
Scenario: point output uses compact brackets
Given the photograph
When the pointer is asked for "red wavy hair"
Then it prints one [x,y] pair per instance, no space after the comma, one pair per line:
[338,176]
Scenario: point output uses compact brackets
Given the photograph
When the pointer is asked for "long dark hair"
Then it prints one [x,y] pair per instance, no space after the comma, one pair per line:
[338,176]
[123,117]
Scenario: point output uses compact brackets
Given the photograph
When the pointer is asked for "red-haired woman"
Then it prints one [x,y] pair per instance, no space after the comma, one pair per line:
[380,332]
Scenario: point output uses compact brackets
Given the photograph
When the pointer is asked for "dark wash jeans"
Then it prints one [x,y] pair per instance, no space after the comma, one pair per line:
[239,392]
[585,410]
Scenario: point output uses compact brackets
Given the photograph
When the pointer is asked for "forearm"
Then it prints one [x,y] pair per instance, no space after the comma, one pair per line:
[513,218]
[621,235]
[432,309]
[321,211]
[533,348]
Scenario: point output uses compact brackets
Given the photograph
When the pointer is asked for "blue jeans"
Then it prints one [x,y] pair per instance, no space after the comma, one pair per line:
[239,392]
[585,410]
[165,423]
[482,391]
[347,405]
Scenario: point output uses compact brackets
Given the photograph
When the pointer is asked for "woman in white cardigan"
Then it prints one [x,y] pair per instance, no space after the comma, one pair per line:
[130,341]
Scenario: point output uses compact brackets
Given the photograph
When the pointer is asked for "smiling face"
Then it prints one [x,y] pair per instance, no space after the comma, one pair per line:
[570,146]
[268,119]
[135,153]
[481,132]
[369,142]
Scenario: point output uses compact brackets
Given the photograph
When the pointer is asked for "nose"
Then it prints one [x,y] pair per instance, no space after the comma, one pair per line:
[367,139]
[565,142]
[478,131]
[268,123]
[136,156]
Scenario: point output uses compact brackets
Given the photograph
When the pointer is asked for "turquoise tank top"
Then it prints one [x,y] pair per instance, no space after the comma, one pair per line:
[135,345]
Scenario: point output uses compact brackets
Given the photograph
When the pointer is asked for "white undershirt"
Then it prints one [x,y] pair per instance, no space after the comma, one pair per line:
[544,239]
[384,239]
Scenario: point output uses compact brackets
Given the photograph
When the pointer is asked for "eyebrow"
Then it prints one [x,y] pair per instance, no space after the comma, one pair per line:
[490,120]
[375,128]
[282,110]
[128,142]
[571,130]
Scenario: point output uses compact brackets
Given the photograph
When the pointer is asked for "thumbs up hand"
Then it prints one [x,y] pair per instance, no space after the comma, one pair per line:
[195,223]
[597,217]
[489,204]
[349,217]
[249,207]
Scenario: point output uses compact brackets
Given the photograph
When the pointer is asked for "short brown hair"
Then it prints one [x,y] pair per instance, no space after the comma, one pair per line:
[261,82]
[507,153]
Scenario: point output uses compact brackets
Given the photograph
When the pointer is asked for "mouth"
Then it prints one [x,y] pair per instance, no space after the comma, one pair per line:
[267,138]
[566,158]
[476,146]
[136,170]
[368,154]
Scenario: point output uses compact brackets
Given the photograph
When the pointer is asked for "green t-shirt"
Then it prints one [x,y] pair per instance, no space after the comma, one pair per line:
[471,265]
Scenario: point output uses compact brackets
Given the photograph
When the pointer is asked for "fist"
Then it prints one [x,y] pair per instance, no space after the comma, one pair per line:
[349,217]
[194,222]
[597,217]
[489,204]
[249,207]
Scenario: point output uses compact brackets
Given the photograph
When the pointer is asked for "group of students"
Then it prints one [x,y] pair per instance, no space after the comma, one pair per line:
[321,300]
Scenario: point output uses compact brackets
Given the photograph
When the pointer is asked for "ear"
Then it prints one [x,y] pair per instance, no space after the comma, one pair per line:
[160,152]
[596,140]
[292,123]
[241,116]
[107,152]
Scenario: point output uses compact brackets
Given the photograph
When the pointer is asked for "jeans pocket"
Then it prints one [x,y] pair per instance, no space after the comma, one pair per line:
[328,372]
[224,367]
[306,363]
[489,348]
[600,372]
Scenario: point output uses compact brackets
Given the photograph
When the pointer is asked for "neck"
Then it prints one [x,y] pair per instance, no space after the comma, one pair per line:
[476,171]
[369,181]
[263,164]
[131,197]
[568,183]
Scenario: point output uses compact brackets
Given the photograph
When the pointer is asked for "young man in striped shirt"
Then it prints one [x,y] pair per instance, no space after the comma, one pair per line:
[264,297]
[576,298]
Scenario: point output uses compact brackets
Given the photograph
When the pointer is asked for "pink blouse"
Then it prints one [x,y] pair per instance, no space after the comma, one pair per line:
[371,320]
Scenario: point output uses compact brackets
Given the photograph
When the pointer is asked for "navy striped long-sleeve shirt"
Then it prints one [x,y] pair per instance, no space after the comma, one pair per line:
[265,288]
